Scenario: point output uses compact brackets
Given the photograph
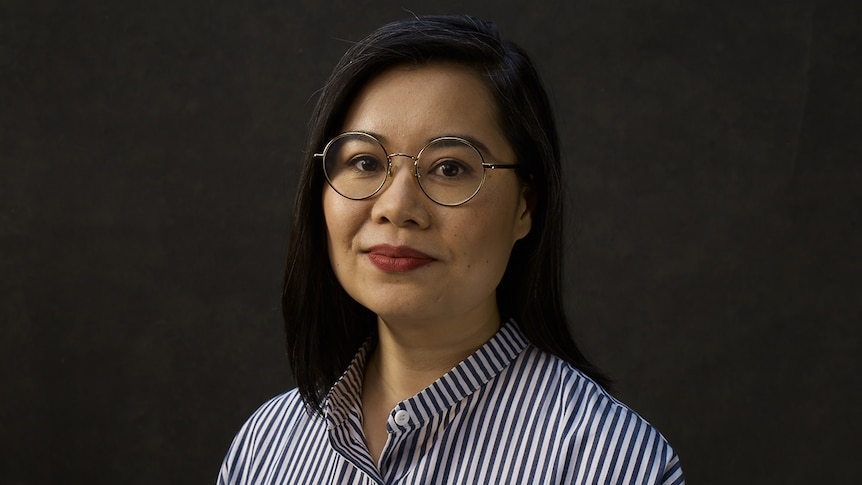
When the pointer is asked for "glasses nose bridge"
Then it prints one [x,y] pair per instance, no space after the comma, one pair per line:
[412,158]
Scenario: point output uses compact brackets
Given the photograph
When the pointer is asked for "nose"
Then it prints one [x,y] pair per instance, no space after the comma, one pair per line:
[402,202]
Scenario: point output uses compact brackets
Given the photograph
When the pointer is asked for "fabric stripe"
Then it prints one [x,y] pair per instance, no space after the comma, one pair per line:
[509,413]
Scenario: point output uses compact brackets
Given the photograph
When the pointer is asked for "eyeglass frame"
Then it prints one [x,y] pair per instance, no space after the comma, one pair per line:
[416,175]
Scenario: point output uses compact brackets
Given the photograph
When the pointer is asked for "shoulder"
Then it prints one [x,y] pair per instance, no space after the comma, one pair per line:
[285,405]
[262,436]
[601,435]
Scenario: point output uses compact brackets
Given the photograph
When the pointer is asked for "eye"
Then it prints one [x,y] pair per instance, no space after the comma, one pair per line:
[449,168]
[365,164]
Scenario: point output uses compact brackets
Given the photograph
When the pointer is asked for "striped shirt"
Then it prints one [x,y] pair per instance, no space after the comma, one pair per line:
[509,413]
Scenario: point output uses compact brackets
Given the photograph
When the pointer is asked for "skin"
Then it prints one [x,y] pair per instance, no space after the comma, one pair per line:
[432,317]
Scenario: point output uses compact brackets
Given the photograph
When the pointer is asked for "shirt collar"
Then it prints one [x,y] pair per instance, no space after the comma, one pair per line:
[344,399]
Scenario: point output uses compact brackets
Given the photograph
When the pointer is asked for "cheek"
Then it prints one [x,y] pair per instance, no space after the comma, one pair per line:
[331,206]
[504,222]
[343,219]
[334,217]
[486,240]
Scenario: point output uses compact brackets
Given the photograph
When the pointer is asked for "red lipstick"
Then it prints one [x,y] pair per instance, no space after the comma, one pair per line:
[397,259]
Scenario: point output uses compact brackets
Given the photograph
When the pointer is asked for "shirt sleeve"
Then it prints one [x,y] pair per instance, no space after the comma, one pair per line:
[244,461]
[673,472]
[610,443]
[233,468]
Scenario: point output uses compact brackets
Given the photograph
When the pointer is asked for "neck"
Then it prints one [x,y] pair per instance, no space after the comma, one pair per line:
[410,357]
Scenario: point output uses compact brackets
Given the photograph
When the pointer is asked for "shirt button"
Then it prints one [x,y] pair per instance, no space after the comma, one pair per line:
[402,418]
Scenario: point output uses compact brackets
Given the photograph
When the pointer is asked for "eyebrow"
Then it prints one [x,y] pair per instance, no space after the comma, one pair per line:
[478,144]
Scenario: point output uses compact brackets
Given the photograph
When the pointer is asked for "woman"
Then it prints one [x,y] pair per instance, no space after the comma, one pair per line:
[422,293]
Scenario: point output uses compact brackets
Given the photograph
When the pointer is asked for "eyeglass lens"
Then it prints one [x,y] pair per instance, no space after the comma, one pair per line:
[449,170]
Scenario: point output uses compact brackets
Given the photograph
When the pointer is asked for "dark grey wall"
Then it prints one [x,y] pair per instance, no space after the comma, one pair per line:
[148,152]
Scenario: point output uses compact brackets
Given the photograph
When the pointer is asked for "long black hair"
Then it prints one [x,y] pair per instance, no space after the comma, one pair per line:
[324,325]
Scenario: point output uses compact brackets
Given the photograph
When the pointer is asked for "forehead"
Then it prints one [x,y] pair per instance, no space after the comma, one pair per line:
[410,104]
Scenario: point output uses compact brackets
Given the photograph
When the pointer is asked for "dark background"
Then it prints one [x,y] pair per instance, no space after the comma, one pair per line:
[149,150]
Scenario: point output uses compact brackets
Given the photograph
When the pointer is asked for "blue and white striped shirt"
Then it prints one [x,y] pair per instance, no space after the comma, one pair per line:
[509,413]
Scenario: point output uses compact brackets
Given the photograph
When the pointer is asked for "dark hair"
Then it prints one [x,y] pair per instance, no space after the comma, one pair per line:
[324,325]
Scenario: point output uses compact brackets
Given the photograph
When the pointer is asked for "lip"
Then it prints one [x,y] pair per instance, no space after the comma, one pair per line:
[397,259]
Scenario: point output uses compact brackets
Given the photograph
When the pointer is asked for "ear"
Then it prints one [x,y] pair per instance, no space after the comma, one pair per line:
[524,215]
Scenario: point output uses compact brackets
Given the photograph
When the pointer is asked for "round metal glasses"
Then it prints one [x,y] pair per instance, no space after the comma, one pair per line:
[450,170]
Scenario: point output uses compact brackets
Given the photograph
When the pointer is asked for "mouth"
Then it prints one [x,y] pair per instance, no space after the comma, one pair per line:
[397,259]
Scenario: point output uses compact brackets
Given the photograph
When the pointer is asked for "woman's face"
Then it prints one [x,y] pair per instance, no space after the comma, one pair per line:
[400,254]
